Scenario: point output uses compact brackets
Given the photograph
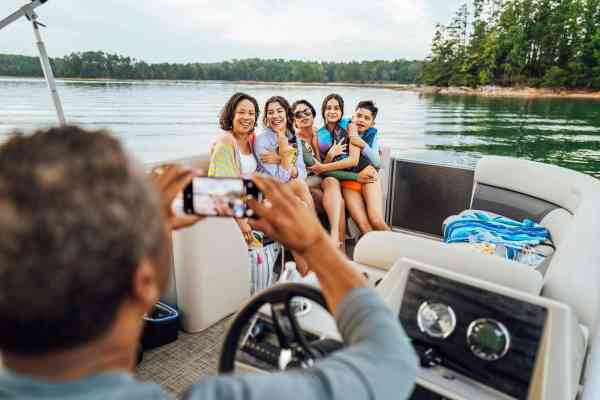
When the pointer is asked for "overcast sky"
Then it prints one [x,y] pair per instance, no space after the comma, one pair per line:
[217,30]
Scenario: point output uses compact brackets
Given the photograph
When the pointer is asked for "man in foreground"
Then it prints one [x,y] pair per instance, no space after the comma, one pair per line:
[84,254]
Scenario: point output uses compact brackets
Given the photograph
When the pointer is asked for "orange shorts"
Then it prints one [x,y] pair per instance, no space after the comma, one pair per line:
[352,185]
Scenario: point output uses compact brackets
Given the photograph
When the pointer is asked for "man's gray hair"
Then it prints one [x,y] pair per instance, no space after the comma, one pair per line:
[76,218]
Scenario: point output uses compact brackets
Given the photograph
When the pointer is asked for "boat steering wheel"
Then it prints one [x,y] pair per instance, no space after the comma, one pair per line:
[289,335]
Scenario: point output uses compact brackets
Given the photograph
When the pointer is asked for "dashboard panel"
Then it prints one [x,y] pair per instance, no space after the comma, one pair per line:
[489,337]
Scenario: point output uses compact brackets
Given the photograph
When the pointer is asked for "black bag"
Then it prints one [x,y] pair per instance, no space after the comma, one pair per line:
[161,326]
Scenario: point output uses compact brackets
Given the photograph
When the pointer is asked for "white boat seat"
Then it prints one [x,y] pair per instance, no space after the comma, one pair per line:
[567,206]
[381,250]
[211,269]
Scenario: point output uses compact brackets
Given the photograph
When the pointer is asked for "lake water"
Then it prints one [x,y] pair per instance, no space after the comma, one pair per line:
[165,120]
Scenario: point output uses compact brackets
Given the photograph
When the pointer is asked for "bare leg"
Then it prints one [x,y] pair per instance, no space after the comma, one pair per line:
[317,195]
[373,196]
[333,203]
[356,208]
[342,237]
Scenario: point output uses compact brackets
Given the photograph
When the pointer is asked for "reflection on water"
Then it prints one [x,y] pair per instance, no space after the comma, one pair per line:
[165,120]
[562,132]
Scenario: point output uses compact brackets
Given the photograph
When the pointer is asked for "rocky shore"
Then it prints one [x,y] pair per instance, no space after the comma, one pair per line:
[483,91]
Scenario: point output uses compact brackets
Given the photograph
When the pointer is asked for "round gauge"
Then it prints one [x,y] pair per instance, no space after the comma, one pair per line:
[488,339]
[436,319]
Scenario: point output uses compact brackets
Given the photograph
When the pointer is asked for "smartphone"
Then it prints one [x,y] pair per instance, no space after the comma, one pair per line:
[220,197]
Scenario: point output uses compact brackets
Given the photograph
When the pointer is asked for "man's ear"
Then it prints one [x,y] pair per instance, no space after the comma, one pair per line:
[146,284]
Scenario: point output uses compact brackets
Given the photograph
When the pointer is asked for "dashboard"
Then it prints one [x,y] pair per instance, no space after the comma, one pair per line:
[477,340]
[491,338]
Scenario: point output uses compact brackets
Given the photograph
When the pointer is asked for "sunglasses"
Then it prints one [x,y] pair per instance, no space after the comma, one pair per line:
[303,113]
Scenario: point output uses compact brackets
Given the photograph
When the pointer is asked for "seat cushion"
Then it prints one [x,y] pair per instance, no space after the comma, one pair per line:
[382,249]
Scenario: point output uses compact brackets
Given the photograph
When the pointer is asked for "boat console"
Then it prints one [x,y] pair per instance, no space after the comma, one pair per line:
[489,337]
[476,340]
[479,340]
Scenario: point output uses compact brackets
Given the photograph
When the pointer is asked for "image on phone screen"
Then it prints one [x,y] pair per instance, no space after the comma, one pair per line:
[216,197]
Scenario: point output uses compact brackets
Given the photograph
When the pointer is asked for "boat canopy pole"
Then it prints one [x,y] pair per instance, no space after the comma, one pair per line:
[28,12]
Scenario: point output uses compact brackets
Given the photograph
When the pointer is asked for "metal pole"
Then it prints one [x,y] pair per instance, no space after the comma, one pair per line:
[47,68]
[28,11]
[21,12]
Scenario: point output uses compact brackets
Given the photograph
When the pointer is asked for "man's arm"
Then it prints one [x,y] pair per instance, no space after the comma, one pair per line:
[379,362]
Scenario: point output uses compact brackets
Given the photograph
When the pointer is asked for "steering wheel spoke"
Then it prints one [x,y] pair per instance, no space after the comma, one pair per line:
[294,347]
[284,328]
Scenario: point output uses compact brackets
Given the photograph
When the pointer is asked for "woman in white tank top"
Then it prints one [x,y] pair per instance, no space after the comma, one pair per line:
[248,164]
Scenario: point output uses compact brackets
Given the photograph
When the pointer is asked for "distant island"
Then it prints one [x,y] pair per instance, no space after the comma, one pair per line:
[491,47]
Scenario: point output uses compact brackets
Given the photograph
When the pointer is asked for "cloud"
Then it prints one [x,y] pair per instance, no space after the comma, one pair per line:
[204,30]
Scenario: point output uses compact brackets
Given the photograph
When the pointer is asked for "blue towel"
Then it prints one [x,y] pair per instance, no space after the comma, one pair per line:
[498,230]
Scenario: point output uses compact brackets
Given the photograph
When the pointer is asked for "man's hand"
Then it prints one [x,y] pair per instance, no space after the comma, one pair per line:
[368,175]
[317,168]
[285,218]
[270,157]
[170,180]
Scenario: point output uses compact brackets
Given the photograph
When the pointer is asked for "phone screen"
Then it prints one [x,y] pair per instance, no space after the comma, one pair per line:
[223,197]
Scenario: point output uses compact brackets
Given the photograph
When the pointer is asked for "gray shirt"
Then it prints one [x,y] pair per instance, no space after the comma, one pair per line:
[378,364]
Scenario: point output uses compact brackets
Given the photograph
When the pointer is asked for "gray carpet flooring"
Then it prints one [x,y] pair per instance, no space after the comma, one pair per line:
[182,363]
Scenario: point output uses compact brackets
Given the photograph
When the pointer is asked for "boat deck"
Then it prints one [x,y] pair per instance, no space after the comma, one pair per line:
[184,362]
[178,365]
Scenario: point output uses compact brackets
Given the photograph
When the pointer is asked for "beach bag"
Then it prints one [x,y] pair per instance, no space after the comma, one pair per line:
[263,260]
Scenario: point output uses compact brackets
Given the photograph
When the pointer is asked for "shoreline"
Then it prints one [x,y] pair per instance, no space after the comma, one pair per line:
[483,91]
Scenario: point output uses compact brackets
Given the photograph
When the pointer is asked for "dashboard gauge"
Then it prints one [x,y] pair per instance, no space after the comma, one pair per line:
[488,339]
[436,319]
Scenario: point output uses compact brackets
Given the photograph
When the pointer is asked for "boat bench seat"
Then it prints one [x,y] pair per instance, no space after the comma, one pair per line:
[566,202]
[381,250]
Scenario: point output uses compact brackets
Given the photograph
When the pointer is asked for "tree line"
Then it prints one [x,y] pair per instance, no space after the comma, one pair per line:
[99,64]
[541,43]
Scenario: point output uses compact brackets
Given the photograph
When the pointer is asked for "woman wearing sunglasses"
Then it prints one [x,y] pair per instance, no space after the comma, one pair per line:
[328,191]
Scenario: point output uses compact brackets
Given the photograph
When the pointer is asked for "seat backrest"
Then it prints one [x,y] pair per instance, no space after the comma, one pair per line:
[571,201]
[382,249]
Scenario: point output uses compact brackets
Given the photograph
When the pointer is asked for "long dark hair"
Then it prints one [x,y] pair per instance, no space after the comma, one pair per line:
[288,111]
[228,112]
[329,97]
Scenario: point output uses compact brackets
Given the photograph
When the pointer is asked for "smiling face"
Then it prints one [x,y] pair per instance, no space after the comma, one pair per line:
[363,119]
[303,116]
[276,117]
[244,117]
[333,111]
